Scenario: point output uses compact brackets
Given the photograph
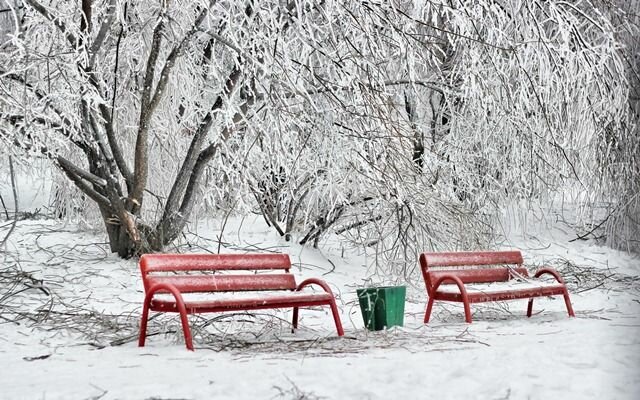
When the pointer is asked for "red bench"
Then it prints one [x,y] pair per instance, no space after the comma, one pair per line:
[483,276]
[170,279]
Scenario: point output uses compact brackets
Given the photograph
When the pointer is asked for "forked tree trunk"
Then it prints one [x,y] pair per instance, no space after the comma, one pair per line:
[119,240]
[150,240]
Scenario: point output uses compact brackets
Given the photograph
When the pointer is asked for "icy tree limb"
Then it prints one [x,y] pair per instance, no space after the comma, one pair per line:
[172,57]
[192,157]
[15,202]
[141,158]
[56,21]
[72,174]
[69,166]
[102,33]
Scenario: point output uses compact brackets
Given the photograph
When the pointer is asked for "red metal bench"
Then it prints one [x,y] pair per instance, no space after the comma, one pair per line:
[483,276]
[169,280]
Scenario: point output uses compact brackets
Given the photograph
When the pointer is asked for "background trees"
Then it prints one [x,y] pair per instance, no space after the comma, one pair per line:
[399,125]
[621,155]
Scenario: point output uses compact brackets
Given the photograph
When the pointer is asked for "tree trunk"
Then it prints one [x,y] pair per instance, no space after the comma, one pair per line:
[119,240]
[418,136]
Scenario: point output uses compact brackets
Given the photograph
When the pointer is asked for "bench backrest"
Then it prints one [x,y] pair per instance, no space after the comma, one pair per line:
[158,268]
[471,266]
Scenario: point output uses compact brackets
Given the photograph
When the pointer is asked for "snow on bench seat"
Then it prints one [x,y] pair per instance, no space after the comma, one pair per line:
[207,302]
[498,287]
[500,291]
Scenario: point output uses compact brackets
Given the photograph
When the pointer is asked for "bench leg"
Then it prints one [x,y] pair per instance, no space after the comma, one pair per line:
[334,312]
[427,314]
[185,326]
[336,318]
[463,295]
[467,310]
[143,324]
[182,310]
[567,302]
[530,307]
[294,321]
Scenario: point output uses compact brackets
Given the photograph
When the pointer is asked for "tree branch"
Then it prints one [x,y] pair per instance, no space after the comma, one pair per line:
[102,33]
[59,24]
[85,17]
[195,160]
[15,202]
[173,222]
[116,150]
[62,128]
[107,155]
[335,88]
[69,166]
[14,119]
[541,104]
[191,157]
[141,162]
[69,170]
[446,31]
[173,55]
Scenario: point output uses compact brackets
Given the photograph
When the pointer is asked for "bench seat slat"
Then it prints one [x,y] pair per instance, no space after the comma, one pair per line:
[213,262]
[500,291]
[226,283]
[470,258]
[293,299]
[482,275]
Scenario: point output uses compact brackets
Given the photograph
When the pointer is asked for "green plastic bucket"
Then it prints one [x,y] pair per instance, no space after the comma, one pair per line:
[382,307]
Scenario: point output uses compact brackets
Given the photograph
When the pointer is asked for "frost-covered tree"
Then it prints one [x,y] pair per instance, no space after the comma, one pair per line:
[497,102]
[395,124]
[620,151]
[125,95]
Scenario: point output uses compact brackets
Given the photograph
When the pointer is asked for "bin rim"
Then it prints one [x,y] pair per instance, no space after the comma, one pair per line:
[381,287]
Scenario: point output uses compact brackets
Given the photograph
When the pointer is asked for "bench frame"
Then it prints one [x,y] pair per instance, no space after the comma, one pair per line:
[501,266]
[177,285]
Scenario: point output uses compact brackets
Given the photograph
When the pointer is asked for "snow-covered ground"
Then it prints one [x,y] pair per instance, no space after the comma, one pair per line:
[77,308]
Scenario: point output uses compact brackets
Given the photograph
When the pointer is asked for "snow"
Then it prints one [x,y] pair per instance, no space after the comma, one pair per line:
[91,351]
[33,188]
[497,287]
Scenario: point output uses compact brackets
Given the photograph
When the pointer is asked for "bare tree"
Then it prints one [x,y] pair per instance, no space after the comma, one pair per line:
[395,124]
[483,104]
[620,145]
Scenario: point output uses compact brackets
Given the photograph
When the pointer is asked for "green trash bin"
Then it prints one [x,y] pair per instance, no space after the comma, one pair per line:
[382,307]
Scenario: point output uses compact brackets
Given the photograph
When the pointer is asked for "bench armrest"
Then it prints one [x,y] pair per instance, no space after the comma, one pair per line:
[454,279]
[550,271]
[164,286]
[182,309]
[314,281]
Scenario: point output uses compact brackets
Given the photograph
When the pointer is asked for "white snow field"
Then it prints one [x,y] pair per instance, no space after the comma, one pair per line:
[68,330]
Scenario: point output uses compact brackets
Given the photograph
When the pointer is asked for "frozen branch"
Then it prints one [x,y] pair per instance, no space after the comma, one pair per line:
[72,172]
[14,189]
[56,21]
[173,55]
[116,149]
[141,163]
[105,27]
[80,173]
